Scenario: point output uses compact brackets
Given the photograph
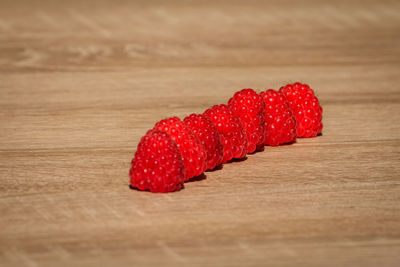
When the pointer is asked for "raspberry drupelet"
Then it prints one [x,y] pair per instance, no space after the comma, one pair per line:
[230,129]
[306,108]
[205,130]
[249,107]
[157,165]
[192,151]
[280,123]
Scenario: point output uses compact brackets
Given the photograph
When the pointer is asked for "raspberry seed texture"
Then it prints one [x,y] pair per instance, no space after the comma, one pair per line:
[231,132]
[280,124]
[208,135]
[157,165]
[192,151]
[249,107]
[306,108]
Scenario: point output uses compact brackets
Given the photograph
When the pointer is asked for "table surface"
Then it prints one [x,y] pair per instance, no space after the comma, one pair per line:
[81,82]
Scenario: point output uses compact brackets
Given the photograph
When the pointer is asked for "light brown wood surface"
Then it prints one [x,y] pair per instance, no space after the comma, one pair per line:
[81,82]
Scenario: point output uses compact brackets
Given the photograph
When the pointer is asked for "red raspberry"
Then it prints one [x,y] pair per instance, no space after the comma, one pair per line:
[157,165]
[249,107]
[233,137]
[280,124]
[192,151]
[306,108]
[205,130]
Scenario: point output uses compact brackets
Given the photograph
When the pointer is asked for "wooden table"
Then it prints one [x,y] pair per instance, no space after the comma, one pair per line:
[81,82]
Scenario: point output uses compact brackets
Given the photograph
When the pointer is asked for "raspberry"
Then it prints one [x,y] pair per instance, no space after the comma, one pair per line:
[306,108]
[249,107]
[157,165]
[208,135]
[192,151]
[233,137]
[280,124]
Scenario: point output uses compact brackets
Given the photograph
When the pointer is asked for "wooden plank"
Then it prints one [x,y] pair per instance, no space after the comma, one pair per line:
[80,83]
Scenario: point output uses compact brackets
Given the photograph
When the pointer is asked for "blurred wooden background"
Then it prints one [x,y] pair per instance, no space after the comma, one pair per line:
[82,81]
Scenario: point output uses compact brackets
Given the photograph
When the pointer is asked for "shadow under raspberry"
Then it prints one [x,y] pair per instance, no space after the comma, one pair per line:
[197,178]
[237,160]
[217,168]
[148,190]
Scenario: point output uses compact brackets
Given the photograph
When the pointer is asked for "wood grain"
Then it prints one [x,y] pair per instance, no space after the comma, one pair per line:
[81,82]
